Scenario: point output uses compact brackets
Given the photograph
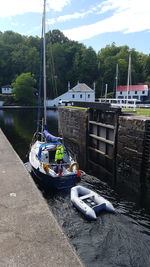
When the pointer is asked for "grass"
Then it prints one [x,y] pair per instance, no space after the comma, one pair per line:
[73,107]
[141,111]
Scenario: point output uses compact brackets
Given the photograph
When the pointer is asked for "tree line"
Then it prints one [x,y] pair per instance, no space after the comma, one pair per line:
[69,61]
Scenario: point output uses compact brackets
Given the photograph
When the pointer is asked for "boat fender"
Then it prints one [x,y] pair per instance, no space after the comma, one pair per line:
[78,178]
[60,173]
[74,165]
[78,173]
[46,167]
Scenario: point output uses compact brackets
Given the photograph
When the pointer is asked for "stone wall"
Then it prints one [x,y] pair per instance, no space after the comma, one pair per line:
[131,160]
[72,125]
[131,151]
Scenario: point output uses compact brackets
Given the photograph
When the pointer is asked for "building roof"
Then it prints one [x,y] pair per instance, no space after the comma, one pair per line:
[138,87]
[81,87]
[6,86]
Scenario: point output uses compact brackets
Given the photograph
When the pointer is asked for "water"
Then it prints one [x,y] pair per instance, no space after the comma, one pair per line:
[120,239]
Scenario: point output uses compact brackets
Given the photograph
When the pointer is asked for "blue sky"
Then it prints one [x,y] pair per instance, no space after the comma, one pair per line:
[95,23]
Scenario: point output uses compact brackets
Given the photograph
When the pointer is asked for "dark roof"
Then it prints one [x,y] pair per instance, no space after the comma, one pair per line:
[6,86]
[81,87]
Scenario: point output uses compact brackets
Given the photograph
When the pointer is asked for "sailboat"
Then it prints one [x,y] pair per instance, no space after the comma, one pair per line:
[42,156]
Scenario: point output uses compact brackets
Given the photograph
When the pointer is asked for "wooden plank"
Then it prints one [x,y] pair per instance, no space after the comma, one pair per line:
[102,124]
[102,139]
[100,152]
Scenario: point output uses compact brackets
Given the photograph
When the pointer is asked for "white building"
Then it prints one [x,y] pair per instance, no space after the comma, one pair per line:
[139,92]
[81,92]
[6,90]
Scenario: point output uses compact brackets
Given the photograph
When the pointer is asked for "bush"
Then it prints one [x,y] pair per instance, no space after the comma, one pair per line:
[8,99]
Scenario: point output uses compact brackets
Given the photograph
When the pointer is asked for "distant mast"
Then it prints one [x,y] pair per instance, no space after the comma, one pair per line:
[68,85]
[106,87]
[129,75]
[94,86]
[116,79]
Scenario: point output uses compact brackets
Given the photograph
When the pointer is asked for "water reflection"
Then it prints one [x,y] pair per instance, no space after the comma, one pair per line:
[19,126]
[8,120]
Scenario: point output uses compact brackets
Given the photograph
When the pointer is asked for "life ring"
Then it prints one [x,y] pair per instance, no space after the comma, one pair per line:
[46,167]
[74,165]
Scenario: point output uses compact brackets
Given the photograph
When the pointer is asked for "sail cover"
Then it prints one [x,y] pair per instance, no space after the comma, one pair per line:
[49,136]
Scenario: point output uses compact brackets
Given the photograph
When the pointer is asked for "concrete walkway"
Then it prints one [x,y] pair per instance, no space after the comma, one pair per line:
[29,233]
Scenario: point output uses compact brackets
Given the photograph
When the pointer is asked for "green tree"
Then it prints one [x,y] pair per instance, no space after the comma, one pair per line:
[146,68]
[112,55]
[56,36]
[56,67]
[23,88]
[69,61]
[86,65]
[107,60]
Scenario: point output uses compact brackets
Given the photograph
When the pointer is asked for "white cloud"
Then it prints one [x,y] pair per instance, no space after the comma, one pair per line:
[57,5]
[75,15]
[118,5]
[128,16]
[17,7]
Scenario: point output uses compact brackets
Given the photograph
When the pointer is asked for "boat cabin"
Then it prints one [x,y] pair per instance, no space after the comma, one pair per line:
[47,153]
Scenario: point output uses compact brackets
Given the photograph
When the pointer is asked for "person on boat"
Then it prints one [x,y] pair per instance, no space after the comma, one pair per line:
[59,155]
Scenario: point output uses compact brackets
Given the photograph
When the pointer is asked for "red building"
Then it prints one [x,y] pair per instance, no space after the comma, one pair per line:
[139,92]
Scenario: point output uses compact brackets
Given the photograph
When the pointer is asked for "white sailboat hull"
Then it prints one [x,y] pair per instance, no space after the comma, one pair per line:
[46,170]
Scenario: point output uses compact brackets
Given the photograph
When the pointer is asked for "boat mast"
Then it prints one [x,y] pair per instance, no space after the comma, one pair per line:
[116,85]
[129,75]
[44,61]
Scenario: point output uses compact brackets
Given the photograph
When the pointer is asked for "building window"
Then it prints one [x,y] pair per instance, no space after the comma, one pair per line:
[80,96]
[88,96]
[128,92]
[73,96]
[120,93]
[135,92]
[143,92]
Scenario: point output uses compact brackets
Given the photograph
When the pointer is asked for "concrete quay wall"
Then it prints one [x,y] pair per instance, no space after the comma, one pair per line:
[29,233]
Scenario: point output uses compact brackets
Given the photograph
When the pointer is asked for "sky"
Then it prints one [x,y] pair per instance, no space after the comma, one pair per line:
[94,23]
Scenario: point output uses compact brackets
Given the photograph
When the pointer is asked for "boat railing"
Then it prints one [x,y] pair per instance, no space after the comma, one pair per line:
[60,164]
[119,102]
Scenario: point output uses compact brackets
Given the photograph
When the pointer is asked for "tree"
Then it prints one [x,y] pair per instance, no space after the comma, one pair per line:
[146,68]
[86,63]
[69,61]
[56,36]
[109,57]
[107,60]
[23,88]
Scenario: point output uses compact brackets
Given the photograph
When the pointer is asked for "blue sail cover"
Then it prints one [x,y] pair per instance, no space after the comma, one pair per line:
[49,136]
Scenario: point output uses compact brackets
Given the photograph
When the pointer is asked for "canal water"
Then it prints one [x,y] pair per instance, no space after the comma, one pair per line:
[121,239]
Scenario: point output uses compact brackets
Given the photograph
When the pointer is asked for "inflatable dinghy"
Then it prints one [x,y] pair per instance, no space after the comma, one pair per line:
[89,202]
